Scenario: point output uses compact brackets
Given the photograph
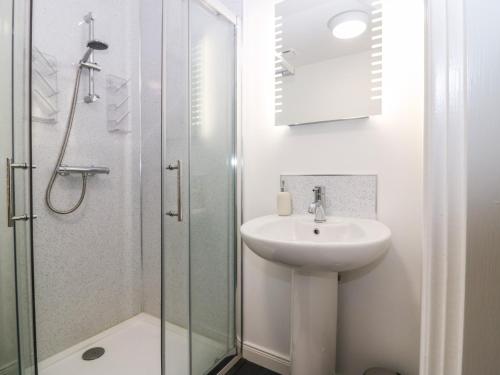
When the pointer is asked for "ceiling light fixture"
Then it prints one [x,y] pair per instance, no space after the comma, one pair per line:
[348,25]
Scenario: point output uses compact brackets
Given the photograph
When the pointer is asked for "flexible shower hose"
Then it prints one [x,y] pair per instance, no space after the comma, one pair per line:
[53,178]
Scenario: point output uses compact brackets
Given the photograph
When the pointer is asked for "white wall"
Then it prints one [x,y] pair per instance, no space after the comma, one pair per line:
[379,307]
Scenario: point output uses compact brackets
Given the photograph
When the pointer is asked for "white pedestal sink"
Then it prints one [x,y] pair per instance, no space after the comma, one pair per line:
[316,252]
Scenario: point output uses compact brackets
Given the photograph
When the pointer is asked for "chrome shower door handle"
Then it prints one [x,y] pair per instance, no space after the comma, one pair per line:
[10,204]
[178,168]
[10,193]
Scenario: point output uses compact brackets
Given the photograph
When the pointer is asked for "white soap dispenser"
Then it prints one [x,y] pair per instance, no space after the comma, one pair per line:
[284,201]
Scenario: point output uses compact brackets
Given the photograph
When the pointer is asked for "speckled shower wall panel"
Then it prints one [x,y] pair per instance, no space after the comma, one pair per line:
[87,264]
[351,196]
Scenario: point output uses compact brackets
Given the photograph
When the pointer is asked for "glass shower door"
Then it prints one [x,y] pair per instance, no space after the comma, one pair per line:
[16,331]
[212,186]
[175,189]
[199,126]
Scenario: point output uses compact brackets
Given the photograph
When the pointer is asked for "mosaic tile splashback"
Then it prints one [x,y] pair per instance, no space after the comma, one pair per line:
[347,196]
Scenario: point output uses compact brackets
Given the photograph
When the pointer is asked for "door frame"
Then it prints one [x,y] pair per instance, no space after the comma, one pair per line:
[444,251]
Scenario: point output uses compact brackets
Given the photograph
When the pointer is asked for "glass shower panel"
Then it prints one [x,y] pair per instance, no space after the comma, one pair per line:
[22,153]
[212,186]
[16,330]
[175,188]
[8,318]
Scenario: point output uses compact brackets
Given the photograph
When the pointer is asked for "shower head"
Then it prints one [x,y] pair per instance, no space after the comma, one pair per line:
[92,46]
[97,45]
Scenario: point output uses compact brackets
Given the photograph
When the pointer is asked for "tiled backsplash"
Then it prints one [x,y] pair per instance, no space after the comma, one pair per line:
[348,196]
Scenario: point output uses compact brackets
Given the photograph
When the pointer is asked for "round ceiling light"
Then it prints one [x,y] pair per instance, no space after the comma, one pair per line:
[348,25]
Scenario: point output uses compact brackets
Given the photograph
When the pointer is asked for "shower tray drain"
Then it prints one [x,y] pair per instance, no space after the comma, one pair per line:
[93,353]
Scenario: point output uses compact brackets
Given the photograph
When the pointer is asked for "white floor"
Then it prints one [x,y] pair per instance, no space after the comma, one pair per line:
[132,348]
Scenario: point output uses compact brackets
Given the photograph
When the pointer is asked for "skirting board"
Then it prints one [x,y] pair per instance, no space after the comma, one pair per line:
[267,359]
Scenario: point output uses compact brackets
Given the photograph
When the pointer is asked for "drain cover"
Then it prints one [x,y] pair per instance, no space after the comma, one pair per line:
[93,353]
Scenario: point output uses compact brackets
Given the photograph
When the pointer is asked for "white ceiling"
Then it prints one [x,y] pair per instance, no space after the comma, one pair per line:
[306,31]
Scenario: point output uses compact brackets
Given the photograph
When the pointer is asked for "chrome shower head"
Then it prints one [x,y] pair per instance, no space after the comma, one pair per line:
[93,45]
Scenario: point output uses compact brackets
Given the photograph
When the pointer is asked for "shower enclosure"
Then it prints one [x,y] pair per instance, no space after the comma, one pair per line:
[118,242]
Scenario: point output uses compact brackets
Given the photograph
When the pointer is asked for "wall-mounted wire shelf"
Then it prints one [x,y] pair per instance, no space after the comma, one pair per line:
[118,103]
[45,88]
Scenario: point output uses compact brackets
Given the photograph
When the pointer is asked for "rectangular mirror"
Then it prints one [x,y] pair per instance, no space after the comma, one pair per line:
[328,60]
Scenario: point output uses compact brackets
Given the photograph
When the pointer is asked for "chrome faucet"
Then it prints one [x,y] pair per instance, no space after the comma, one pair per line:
[317,206]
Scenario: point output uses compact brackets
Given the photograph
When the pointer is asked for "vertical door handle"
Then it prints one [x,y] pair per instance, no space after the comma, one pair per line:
[178,168]
[10,204]
[10,193]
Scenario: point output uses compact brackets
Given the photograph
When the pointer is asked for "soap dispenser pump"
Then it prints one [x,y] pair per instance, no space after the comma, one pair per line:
[284,201]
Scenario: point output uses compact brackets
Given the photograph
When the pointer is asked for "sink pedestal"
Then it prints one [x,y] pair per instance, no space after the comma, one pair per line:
[314,322]
[316,252]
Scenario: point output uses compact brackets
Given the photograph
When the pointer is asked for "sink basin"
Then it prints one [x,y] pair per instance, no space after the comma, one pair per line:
[316,252]
[340,244]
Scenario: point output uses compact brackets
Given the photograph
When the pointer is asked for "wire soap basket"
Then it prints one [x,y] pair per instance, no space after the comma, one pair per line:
[118,103]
